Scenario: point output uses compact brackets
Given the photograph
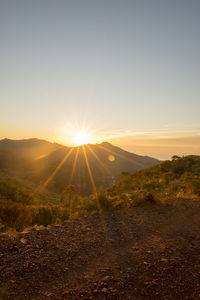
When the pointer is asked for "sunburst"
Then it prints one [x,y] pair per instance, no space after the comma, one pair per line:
[81,137]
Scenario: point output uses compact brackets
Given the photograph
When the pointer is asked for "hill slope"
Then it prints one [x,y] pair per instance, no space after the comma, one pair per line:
[169,180]
[28,147]
[177,178]
[37,160]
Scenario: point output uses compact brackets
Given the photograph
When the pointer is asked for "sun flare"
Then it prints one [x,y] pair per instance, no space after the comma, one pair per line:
[81,138]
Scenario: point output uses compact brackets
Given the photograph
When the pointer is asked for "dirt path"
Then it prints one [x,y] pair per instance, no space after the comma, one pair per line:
[144,253]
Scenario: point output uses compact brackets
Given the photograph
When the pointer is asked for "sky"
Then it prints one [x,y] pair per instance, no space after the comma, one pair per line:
[126,71]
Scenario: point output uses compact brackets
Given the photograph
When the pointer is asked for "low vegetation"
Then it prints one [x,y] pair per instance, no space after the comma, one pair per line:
[179,177]
[21,206]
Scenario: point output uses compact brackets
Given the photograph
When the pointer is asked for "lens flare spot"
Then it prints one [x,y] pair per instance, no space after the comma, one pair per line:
[111,158]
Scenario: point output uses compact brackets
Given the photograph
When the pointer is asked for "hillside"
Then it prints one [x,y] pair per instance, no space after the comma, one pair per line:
[177,178]
[31,148]
[150,252]
[37,160]
[31,204]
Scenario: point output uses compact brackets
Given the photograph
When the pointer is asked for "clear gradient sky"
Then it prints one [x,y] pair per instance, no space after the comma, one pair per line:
[129,70]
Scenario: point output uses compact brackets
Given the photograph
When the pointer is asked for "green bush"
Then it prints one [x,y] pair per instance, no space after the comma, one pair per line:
[105,203]
[14,192]
[14,215]
[42,215]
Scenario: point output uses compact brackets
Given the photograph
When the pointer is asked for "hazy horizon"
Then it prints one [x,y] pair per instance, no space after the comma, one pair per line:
[148,146]
[127,72]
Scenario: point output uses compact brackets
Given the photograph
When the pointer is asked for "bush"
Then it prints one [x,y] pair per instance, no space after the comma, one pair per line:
[150,198]
[14,192]
[105,203]
[120,203]
[42,216]
[14,215]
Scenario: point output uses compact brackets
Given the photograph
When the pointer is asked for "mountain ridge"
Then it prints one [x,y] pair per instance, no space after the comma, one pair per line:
[37,160]
[7,143]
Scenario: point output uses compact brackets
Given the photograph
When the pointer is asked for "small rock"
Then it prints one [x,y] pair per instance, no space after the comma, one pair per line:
[164,259]
[33,229]
[23,241]
[65,293]
[106,278]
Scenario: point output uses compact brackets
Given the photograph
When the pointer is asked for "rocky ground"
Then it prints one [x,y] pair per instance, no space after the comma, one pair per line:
[148,252]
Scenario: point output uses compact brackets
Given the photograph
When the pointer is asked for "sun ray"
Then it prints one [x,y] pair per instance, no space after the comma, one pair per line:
[92,180]
[103,221]
[74,164]
[89,171]
[98,159]
[42,187]
[45,155]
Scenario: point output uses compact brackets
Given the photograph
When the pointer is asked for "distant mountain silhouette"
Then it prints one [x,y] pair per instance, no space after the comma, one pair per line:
[28,147]
[88,167]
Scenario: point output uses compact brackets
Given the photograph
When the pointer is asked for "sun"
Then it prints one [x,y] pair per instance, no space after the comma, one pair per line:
[81,138]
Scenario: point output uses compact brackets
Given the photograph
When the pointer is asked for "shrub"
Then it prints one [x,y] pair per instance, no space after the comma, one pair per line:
[90,206]
[105,203]
[150,198]
[14,192]
[14,215]
[120,204]
[42,216]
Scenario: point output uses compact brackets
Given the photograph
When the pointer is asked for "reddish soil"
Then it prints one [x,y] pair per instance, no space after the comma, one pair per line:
[149,252]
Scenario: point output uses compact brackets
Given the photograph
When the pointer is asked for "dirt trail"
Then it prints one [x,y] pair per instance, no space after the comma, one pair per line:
[147,252]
